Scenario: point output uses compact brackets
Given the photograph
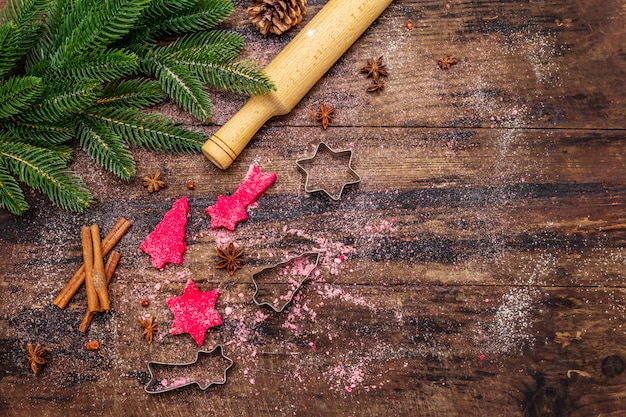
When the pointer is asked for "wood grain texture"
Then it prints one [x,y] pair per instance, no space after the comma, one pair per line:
[476,270]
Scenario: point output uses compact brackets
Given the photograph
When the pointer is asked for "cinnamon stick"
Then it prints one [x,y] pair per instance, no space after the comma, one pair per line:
[92,296]
[112,261]
[87,318]
[108,243]
[99,278]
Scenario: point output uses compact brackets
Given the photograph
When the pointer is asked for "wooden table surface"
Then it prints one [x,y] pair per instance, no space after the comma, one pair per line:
[478,269]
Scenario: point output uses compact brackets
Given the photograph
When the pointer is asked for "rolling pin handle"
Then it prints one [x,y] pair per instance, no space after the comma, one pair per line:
[223,147]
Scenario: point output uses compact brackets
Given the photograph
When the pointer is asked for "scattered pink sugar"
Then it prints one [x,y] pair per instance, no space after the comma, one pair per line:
[222,237]
[346,376]
[289,325]
[385,225]
[328,291]
[176,382]
[332,254]
[259,316]
[299,267]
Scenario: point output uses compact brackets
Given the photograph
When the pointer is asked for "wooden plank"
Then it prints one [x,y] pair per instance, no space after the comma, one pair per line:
[395,348]
[530,59]
[487,232]
[526,63]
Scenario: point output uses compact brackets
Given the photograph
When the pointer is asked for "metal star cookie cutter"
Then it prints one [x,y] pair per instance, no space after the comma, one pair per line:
[296,286]
[158,385]
[335,155]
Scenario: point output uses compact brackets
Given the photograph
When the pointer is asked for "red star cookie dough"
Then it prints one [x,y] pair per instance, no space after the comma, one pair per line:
[228,211]
[194,312]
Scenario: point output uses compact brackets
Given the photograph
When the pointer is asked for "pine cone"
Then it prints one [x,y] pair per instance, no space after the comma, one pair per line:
[276,16]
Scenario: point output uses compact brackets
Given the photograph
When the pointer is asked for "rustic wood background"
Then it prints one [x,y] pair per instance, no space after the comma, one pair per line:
[489,222]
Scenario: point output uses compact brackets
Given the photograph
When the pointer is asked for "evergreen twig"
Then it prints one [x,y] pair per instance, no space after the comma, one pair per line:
[77,74]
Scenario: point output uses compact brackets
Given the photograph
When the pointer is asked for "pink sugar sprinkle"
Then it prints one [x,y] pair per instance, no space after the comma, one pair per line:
[260,317]
[288,325]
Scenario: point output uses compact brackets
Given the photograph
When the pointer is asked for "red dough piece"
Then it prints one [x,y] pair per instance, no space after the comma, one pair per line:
[166,243]
[228,211]
[194,312]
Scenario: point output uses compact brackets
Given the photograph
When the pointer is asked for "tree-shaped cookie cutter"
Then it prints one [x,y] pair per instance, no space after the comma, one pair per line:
[324,148]
[156,386]
[277,267]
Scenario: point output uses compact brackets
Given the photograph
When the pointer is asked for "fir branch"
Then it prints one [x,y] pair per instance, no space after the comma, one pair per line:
[43,171]
[63,101]
[23,12]
[26,15]
[212,46]
[9,47]
[107,21]
[106,148]
[63,152]
[39,133]
[244,77]
[150,131]
[205,14]
[17,94]
[11,195]
[135,93]
[64,75]
[160,8]
[186,89]
[107,65]
[63,17]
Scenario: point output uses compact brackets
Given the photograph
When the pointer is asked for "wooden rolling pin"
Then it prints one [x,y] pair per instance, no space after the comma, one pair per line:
[294,71]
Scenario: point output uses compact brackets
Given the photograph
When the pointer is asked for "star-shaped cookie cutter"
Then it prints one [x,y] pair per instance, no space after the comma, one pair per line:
[297,286]
[156,382]
[335,154]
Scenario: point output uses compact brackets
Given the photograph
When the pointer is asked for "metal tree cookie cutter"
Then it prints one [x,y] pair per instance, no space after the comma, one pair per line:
[161,372]
[299,268]
[323,164]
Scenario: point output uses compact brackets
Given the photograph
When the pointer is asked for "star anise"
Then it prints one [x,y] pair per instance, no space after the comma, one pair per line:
[153,182]
[231,258]
[446,62]
[377,86]
[325,114]
[375,68]
[149,327]
[37,357]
